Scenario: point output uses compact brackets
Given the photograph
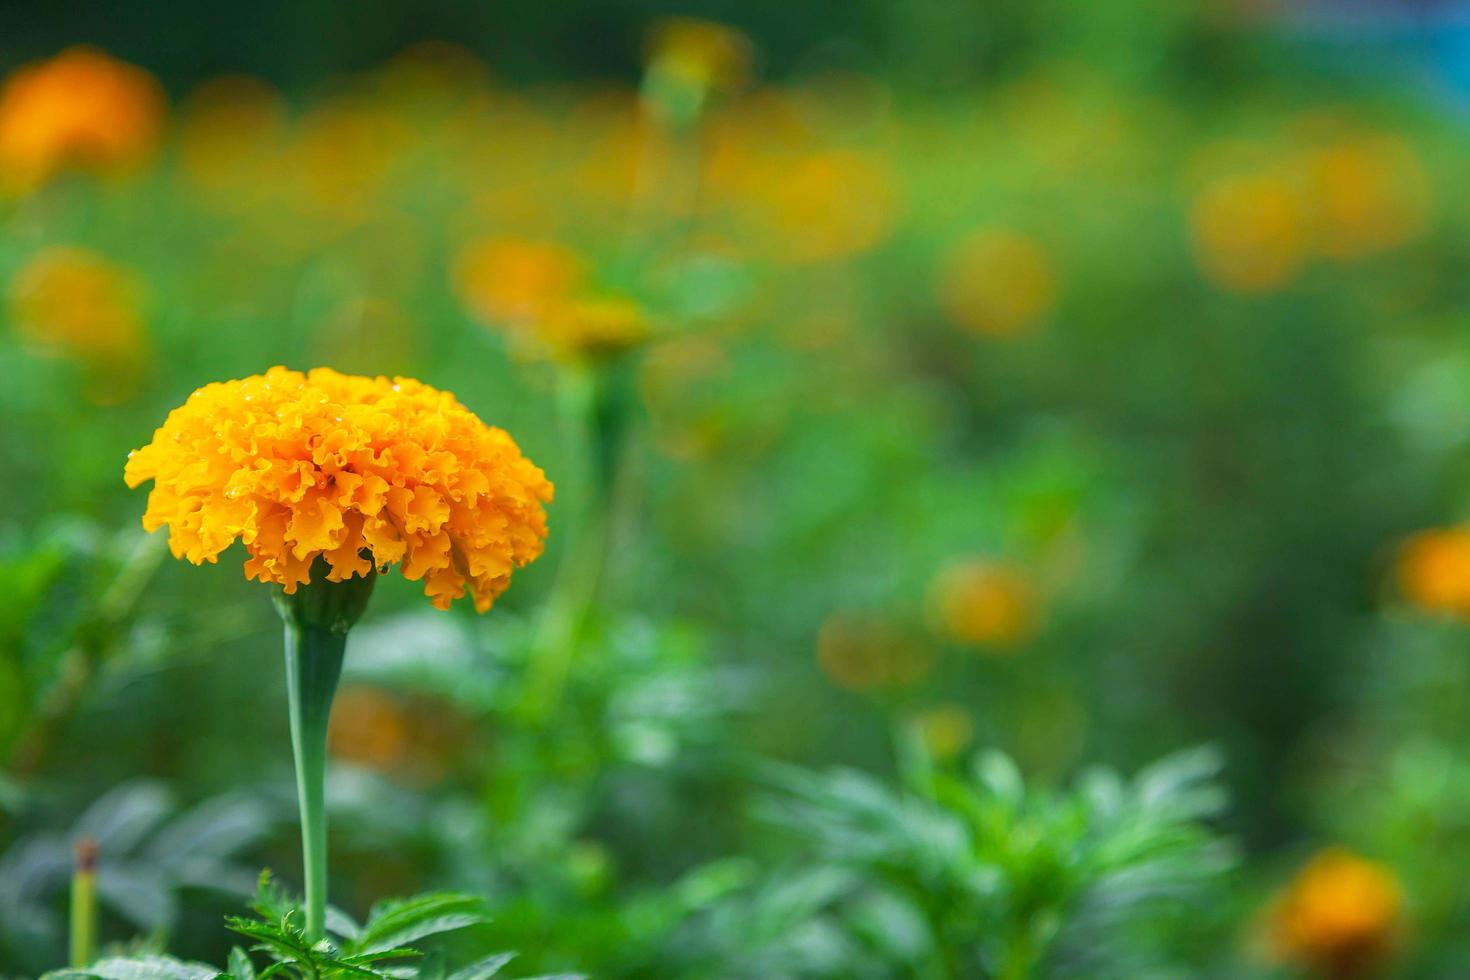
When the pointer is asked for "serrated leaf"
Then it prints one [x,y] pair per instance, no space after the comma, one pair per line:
[482,969]
[240,966]
[140,968]
[399,923]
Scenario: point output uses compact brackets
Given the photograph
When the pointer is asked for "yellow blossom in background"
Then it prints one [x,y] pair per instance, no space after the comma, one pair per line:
[701,53]
[74,302]
[508,280]
[1368,195]
[998,283]
[410,737]
[825,205]
[1250,232]
[345,153]
[1434,570]
[591,328]
[1339,917]
[369,727]
[867,652]
[79,109]
[231,131]
[359,472]
[985,604]
[945,730]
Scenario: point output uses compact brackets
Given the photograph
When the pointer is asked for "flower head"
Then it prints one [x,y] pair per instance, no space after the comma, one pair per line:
[985,604]
[1434,570]
[359,472]
[1339,916]
[1250,232]
[509,280]
[998,283]
[81,108]
[862,651]
[73,302]
[700,52]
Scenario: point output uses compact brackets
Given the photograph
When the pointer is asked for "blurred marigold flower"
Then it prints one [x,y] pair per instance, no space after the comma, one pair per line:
[507,280]
[369,727]
[985,604]
[998,283]
[866,652]
[1339,917]
[827,205]
[1434,570]
[592,328]
[1250,232]
[1368,195]
[74,302]
[81,109]
[945,730]
[359,472]
[409,737]
[229,130]
[701,53]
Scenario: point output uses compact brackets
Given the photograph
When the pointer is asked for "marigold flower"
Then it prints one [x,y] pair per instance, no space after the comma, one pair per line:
[592,328]
[828,205]
[1340,916]
[1368,195]
[81,108]
[699,52]
[864,652]
[505,280]
[74,302]
[946,730]
[985,604]
[1434,570]
[998,283]
[359,472]
[1250,232]
[231,133]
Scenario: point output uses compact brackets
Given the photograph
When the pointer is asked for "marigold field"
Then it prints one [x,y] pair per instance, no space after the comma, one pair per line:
[853,491]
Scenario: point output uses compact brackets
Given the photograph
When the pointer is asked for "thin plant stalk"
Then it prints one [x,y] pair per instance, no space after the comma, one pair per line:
[313,667]
[83,933]
[317,617]
[594,412]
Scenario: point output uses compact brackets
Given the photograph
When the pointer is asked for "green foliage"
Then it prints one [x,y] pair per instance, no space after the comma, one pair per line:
[378,949]
[979,875]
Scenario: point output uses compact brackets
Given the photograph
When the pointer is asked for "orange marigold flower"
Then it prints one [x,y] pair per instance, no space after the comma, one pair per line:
[359,472]
[865,652]
[73,300]
[998,283]
[592,328]
[507,280]
[1434,570]
[945,730]
[81,108]
[983,603]
[1340,916]
[1250,232]
[699,52]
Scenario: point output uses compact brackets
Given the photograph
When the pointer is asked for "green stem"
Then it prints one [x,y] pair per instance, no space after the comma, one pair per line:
[313,666]
[84,905]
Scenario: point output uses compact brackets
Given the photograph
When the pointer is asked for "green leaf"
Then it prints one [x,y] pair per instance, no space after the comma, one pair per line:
[240,966]
[139,968]
[398,923]
[482,969]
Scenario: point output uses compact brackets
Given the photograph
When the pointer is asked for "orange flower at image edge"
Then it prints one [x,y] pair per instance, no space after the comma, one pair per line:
[1340,916]
[358,472]
[81,108]
[1434,570]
